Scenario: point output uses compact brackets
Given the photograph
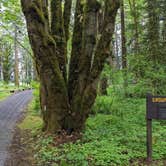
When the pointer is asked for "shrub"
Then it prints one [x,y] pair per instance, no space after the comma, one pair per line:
[35,86]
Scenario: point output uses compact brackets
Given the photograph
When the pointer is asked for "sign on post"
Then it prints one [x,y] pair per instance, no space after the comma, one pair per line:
[156,109]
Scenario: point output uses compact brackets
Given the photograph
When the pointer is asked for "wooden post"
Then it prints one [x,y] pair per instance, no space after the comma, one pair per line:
[149,140]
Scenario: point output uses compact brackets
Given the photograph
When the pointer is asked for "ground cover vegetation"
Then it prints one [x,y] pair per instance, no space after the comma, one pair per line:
[95,62]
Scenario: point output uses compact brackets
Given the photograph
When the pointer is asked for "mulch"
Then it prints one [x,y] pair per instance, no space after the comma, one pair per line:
[18,151]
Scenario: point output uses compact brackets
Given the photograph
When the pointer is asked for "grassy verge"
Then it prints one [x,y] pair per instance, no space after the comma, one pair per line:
[117,137]
[32,120]
[5,90]
[4,95]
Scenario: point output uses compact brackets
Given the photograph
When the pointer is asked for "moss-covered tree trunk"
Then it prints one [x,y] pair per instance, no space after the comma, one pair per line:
[67,97]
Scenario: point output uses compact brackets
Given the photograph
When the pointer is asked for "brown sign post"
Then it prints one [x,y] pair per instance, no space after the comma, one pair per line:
[156,109]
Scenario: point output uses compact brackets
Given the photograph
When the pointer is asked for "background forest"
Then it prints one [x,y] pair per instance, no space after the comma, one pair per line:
[115,132]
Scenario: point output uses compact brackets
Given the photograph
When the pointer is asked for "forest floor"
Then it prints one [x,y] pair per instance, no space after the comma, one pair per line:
[5,90]
[115,138]
[115,135]
[10,112]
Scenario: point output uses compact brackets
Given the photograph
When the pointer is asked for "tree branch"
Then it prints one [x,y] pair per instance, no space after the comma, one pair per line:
[101,54]
[66,17]
[57,30]
[41,41]
[76,48]
[45,51]
[26,49]
[103,48]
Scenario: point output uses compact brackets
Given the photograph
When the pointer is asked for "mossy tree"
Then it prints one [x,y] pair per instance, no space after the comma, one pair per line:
[67,95]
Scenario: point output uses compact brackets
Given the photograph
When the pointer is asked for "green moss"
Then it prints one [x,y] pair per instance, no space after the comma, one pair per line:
[4,95]
[37,13]
[31,123]
[32,120]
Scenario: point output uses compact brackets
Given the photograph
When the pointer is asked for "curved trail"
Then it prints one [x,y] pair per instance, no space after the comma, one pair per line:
[10,112]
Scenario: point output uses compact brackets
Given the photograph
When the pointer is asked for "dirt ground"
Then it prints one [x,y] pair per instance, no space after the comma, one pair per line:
[19,152]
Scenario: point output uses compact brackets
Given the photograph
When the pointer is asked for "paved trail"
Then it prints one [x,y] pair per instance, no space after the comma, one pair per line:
[10,112]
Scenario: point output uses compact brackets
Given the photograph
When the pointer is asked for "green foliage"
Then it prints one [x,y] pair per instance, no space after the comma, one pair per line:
[7,60]
[36,102]
[103,104]
[4,95]
[147,76]
[143,77]
[108,139]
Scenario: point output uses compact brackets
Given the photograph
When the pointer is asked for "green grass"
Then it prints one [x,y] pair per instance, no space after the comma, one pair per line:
[32,121]
[114,138]
[6,88]
[4,95]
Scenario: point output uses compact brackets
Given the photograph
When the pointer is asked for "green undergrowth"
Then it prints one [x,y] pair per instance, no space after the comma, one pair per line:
[4,95]
[32,120]
[10,87]
[6,88]
[115,137]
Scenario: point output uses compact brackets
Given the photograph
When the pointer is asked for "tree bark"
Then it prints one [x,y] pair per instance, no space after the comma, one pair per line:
[102,52]
[59,35]
[103,85]
[76,48]
[16,65]
[123,46]
[66,18]
[123,36]
[6,63]
[54,102]
[134,13]
[65,104]
[84,63]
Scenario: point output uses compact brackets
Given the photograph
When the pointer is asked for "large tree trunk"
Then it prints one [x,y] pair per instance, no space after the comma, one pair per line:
[66,103]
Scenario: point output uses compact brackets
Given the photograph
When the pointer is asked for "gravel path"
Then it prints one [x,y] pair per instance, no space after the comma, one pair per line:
[10,112]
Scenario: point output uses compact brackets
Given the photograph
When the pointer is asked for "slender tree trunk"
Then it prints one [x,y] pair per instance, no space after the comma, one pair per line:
[163,58]
[1,64]
[66,18]
[153,39]
[16,65]
[117,54]
[58,34]
[123,37]
[134,13]
[153,30]
[103,85]
[124,49]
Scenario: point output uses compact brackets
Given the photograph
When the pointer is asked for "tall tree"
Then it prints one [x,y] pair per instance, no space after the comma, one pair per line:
[1,63]
[154,40]
[66,100]
[163,59]
[123,36]
[16,65]
[153,30]
[7,63]
[123,46]
[135,15]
